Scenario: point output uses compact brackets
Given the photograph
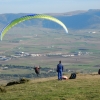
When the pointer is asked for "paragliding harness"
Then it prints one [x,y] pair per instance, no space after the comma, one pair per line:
[73,76]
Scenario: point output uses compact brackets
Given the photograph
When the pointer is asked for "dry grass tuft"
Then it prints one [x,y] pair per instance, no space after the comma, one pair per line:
[22,80]
[2,89]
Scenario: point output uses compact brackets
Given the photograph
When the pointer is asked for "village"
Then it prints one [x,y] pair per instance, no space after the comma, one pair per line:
[25,54]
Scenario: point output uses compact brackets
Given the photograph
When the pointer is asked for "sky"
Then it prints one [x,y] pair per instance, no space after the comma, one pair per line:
[46,6]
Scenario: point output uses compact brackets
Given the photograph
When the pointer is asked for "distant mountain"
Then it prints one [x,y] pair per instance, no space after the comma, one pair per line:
[80,19]
[73,20]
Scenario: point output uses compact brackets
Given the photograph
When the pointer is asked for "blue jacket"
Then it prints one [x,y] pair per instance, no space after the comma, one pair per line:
[59,67]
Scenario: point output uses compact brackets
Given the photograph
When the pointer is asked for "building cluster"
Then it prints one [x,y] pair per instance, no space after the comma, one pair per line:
[4,58]
[24,54]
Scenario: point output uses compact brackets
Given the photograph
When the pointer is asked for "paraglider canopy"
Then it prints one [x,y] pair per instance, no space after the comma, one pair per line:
[28,17]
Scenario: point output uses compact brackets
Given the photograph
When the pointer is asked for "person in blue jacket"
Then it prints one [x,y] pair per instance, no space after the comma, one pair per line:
[59,70]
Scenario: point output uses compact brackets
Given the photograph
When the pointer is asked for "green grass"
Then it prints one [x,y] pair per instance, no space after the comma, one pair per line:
[84,87]
[39,40]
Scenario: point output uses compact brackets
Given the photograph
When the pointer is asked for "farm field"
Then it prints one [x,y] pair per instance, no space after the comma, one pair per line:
[51,44]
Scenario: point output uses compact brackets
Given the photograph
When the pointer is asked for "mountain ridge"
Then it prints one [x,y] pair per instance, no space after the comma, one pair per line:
[79,19]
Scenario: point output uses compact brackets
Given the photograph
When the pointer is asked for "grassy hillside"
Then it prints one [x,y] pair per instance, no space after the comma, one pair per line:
[84,87]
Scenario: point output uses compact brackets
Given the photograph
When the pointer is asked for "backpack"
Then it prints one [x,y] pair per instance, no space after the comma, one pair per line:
[73,76]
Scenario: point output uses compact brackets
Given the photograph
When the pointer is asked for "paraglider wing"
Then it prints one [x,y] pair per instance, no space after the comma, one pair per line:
[28,17]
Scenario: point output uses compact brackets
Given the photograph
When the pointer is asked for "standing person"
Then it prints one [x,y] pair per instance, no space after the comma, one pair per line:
[37,70]
[60,70]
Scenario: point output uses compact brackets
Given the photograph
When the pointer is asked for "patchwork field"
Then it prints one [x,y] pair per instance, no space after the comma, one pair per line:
[53,45]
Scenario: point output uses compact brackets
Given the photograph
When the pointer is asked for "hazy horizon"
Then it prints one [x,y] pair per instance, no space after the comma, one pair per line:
[46,6]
